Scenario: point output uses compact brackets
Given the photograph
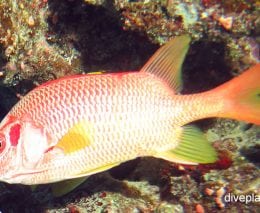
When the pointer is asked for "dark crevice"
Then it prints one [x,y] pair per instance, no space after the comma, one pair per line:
[97,33]
[205,67]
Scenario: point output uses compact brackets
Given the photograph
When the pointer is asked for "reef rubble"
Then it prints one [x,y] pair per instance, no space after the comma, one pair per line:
[42,40]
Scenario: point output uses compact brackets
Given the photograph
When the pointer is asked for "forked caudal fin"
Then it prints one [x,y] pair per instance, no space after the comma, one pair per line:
[242,96]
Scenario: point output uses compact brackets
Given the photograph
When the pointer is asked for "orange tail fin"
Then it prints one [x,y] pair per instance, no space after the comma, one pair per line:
[242,96]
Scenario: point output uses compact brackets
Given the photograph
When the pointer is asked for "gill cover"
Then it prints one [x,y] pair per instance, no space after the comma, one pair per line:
[34,143]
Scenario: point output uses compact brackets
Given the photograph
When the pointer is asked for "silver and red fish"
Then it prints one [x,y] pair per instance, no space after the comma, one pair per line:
[81,125]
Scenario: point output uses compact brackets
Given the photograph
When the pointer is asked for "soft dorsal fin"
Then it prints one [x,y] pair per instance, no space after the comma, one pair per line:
[166,63]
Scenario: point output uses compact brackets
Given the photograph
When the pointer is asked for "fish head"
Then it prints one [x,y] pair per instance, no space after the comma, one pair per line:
[22,148]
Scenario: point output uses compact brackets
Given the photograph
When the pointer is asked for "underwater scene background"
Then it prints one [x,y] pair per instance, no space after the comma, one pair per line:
[42,40]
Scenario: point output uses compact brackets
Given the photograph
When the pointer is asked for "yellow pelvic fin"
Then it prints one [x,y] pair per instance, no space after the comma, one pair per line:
[33,187]
[64,187]
[193,148]
[78,137]
[97,170]
[166,63]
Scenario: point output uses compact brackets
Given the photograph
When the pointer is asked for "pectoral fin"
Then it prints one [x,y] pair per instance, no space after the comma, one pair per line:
[78,137]
[193,148]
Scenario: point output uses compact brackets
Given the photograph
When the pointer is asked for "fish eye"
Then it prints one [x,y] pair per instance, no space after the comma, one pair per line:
[2,143]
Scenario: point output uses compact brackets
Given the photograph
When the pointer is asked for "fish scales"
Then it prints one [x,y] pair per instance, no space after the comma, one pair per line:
[63,103]
[123,110]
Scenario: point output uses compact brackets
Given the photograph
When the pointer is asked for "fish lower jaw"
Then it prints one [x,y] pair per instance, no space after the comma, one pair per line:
[20,177]
[11,179]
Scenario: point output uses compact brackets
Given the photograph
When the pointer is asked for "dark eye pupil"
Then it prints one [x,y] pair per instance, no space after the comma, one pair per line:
[2,143]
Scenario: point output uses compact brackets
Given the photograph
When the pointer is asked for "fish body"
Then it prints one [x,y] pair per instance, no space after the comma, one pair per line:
[81,125]
[117,110]
[126,115]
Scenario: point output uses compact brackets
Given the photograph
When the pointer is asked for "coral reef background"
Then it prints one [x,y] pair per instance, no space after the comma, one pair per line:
[42,40]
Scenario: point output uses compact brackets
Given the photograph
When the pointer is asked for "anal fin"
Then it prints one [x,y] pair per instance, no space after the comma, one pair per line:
[193,148]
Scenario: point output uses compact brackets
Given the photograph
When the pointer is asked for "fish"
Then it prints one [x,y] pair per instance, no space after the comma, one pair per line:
[77,126]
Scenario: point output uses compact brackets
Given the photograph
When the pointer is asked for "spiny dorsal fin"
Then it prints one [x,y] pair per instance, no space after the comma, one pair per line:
[193,148]
[166,63]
